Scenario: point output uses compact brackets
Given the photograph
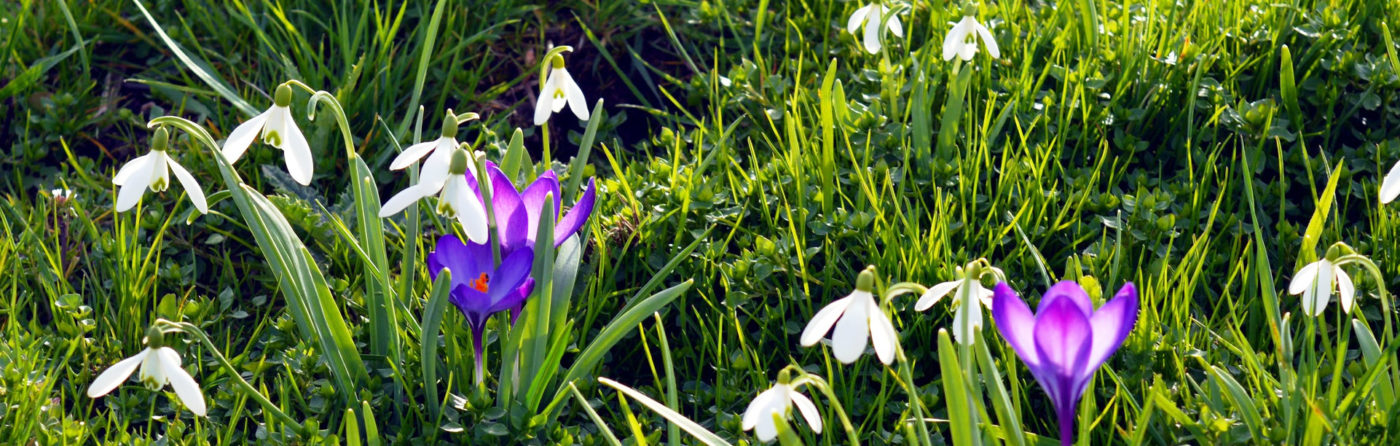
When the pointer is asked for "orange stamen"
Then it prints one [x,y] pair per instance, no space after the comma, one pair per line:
[480,283]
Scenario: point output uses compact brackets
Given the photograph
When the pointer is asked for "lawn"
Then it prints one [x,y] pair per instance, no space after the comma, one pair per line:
[699,222]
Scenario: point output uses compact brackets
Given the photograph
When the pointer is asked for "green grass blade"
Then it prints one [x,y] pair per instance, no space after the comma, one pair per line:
[690,427]
[959,404]
[432,320]
[200,68]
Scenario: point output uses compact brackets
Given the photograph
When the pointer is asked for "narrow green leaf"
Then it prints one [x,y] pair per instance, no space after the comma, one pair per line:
[585,147]
[690,427]
[1001,401]
[1241,400]
[959,409]
[432,320]
[515,155]
[619,327]
[199,67]
[1308,252]
[593,415]
[952,114]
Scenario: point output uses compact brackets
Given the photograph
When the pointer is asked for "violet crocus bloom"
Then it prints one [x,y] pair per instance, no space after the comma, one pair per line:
[1066,340]
[518,212]
[478,288]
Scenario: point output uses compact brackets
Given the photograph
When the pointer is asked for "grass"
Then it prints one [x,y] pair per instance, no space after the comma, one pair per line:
[1153,142]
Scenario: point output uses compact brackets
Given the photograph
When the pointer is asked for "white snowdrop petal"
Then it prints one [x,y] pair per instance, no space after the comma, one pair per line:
[135,186]
[1390,187]
[191,186]
[852,330]
[412,154]
[758,405]
[809,410]
[185,387]
[857,18]
[989,41]
[1322,288]
[115,375]
[243,136]
[401,200]
[821,322]
[882,334]
[297,152]
[1304,278]
[872,37]
[1346,291]
[895,26]
[469,210]
[544,105]
[130,169]
[934,294]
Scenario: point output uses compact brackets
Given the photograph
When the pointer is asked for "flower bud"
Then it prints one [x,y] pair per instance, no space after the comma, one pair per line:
[557,62]
[459,162]
[283,96]
[160,140]
[154,338]
[449,125]
[866,281]
[784,377]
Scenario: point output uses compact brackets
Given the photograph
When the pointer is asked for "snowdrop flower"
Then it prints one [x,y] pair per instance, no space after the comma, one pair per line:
[152,171]
[456,201]
[1066,340]
[869,17]
[560,89]
[856,317]
[1315,281]
[435,168]
[277,129]
[967,318]
[1390,187]
[160,365]
[779,399]
[960,40]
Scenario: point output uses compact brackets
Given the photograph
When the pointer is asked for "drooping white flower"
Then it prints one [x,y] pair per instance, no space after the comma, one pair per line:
[559,90]
[152,171]
[857,317]
[779,399]
[869,17]
[961,42]
[277,128]
[160,366]
[457,199]
[966,318]
[1315,282]
[435,168]
[1390,187]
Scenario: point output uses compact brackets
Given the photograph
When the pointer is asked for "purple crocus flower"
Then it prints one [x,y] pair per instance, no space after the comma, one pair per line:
[1066,341]
[518,213]
[478,288]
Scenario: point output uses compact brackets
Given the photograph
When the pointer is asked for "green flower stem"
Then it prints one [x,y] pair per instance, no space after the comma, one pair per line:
[906,375]
[238,380]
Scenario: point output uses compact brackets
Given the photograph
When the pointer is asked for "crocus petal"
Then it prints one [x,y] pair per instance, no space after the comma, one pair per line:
[180,380]
[512,272]
[115,375]
[1070,290]
[1304,278]
[934,294]
[1062,339]
[1390,187]
[1112,323]
[466,261]
[131,168]
[573,94]
[853,330]
[987,40]
[401,200]
[512,220]
[191,186]
[243,136]
[1345,290]
[1016,323]
[882,334]
[412,154]
[576,217]
[872,37]
[297,151]
[533,199]
[857,18]
[515,300]
[821,323]
[809,410]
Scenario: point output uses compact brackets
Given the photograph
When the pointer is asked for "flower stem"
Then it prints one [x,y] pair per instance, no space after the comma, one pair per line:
[915,405]
[241,383]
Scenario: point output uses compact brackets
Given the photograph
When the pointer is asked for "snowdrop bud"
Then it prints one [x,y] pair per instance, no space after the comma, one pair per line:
[866,281]
[160,140]
[784,377]
[459,163]
[974,271]
[449,125]
[969,9]
[557,62]
[155,339]
[283,96]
